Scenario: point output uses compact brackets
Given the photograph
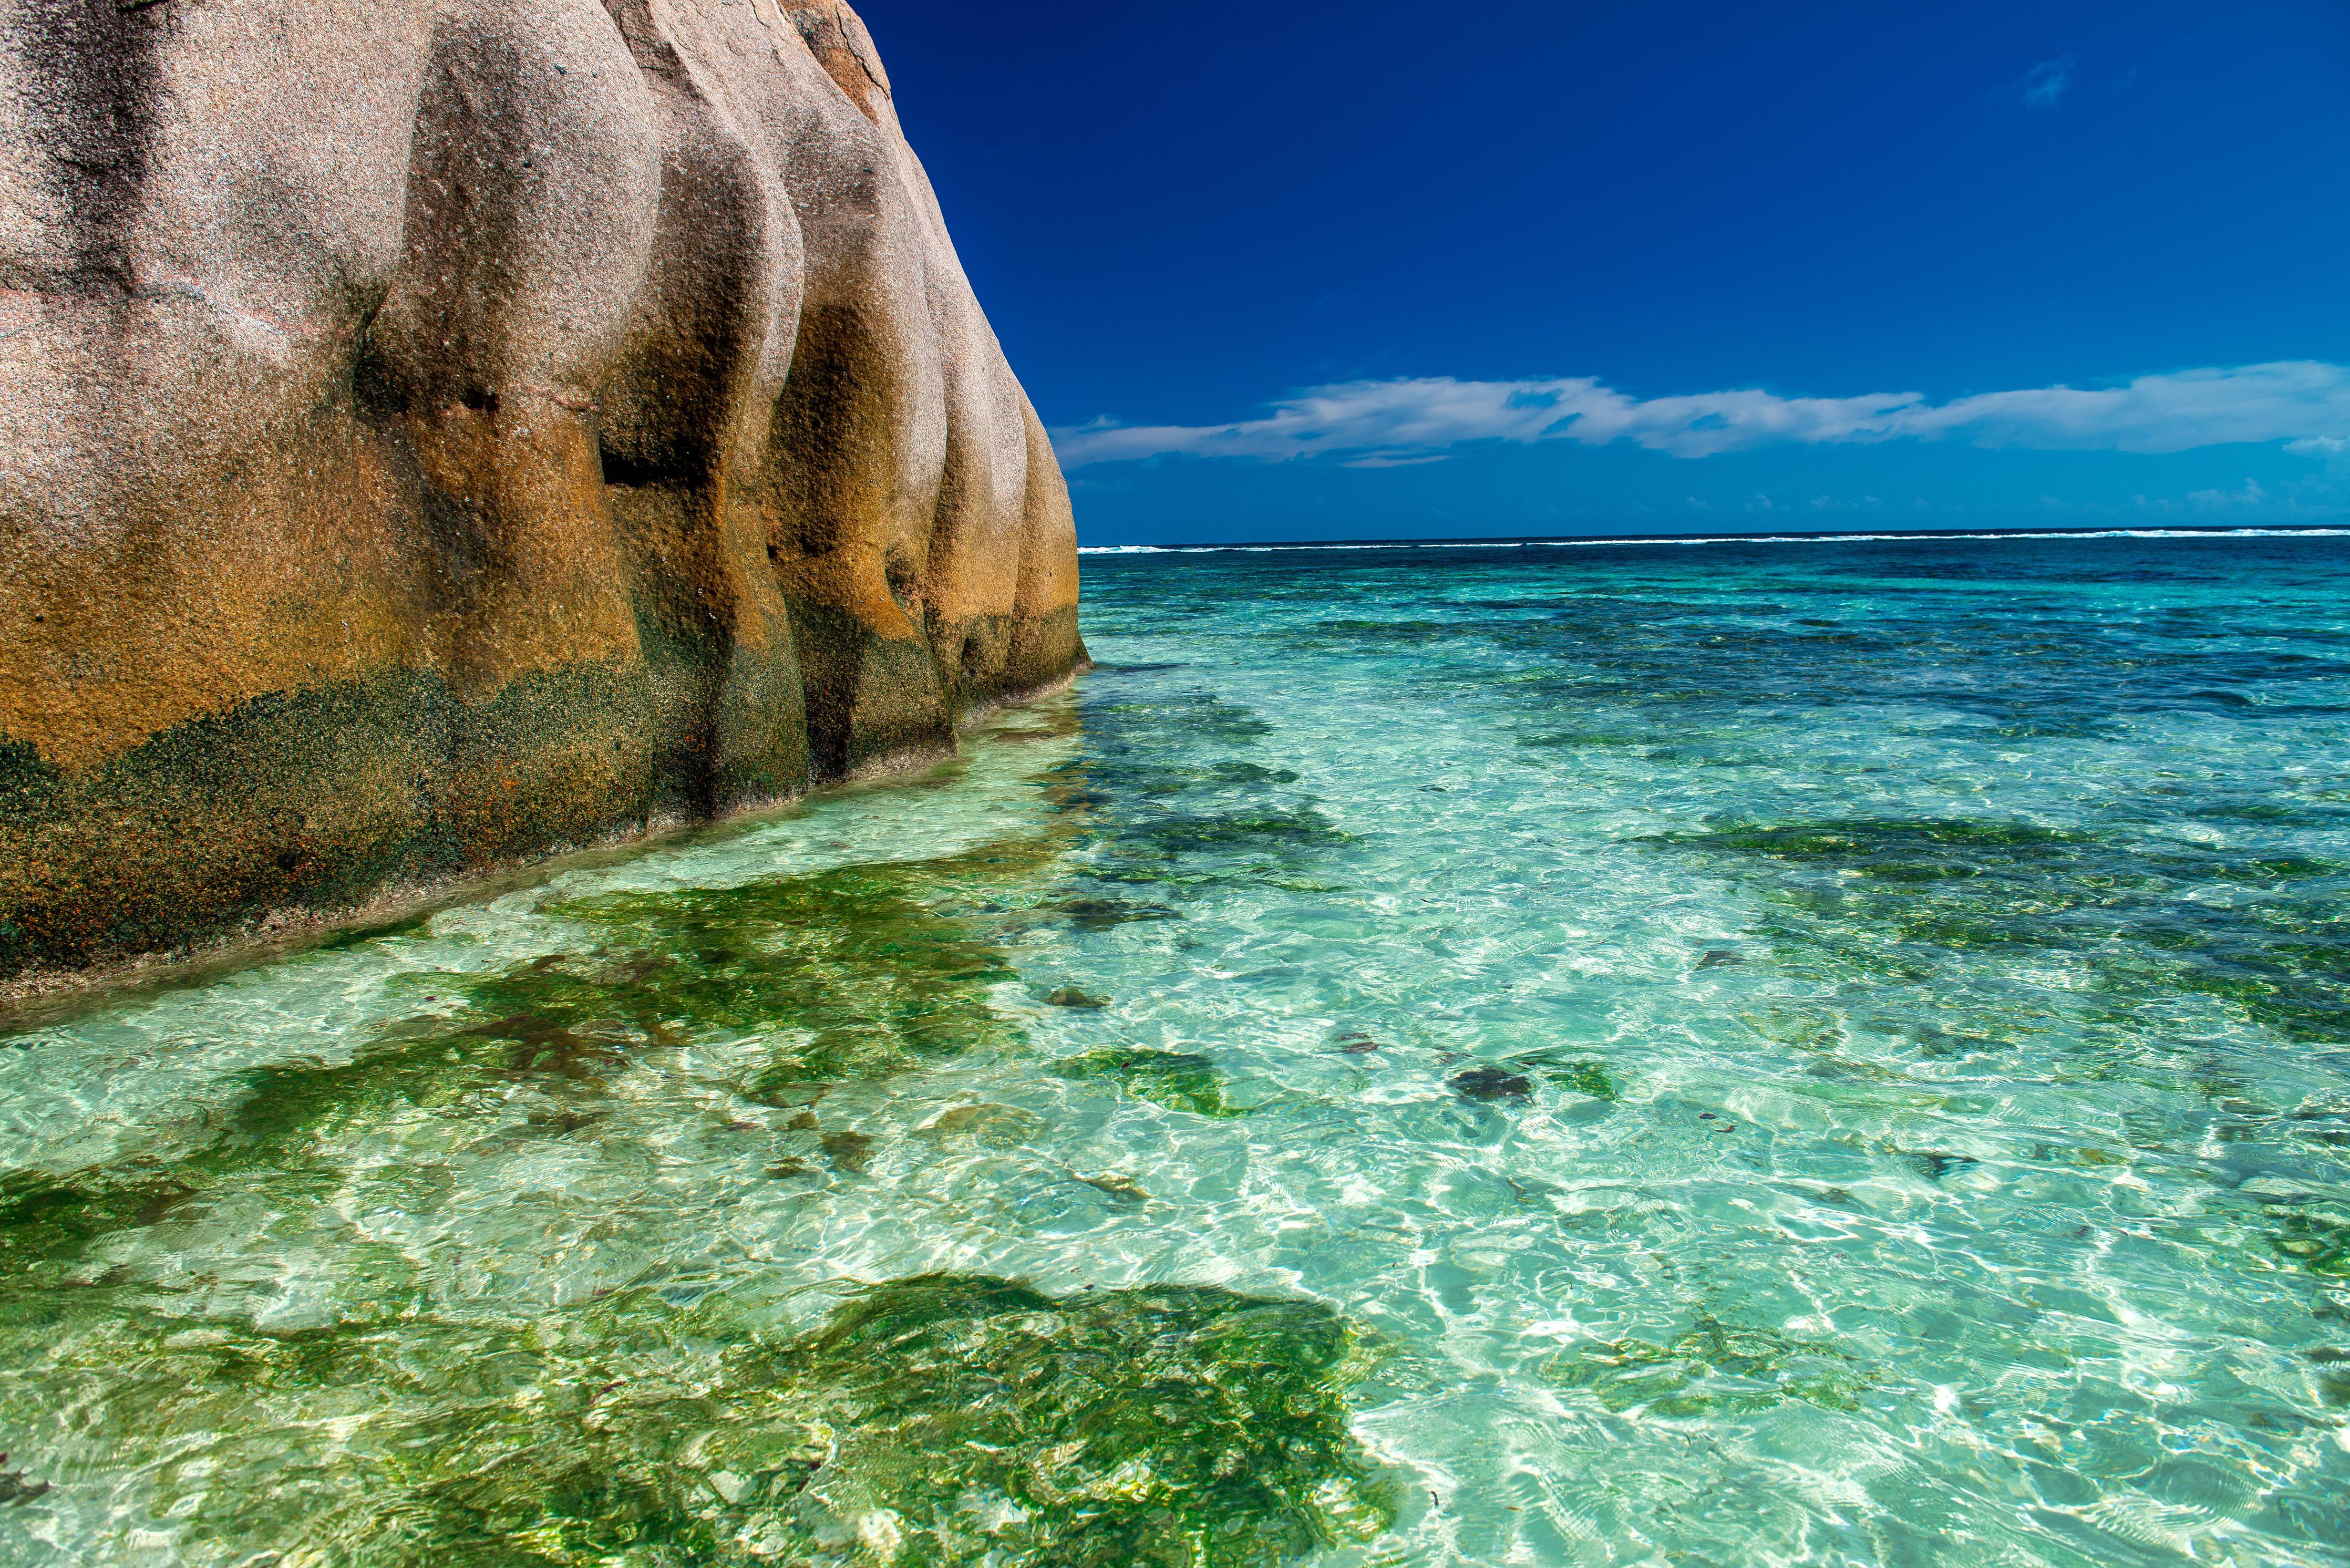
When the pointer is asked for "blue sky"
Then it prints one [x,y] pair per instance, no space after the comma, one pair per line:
[1372,270]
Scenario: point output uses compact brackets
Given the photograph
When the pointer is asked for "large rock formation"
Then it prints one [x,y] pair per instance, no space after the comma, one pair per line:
[437,431]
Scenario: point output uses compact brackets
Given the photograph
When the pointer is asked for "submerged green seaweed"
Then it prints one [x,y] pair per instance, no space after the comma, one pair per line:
[1566,1070]
[1715,1368]
[944,1419]
[872,968]
[858,972]
[2317,1243]
[949,1418]
[1177,1079]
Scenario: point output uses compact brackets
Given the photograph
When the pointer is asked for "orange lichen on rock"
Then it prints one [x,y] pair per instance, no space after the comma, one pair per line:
[436,432]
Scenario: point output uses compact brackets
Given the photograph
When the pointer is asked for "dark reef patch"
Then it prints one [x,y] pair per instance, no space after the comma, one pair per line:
[1147,821]
[2134,906]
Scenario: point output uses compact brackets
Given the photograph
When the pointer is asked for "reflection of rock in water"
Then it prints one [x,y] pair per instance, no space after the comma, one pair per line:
[1180,825]
[945,1419]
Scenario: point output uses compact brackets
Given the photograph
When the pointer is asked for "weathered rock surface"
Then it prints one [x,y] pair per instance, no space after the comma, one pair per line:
[436,431]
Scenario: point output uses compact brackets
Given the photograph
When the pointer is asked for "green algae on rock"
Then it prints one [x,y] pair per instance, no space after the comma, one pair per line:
[2318,1243]
[1174,1425]
[1569,1071]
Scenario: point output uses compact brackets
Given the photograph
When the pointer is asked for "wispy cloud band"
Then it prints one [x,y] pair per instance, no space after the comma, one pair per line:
[1386,424]
[2045,84]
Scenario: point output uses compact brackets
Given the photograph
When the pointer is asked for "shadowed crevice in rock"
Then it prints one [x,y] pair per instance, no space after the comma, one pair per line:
[92,113]
[870,697]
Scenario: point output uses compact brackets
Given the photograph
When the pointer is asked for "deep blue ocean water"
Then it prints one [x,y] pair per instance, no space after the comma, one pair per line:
[1805,1052]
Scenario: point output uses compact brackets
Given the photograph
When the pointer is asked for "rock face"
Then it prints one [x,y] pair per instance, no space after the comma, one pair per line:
[436,431]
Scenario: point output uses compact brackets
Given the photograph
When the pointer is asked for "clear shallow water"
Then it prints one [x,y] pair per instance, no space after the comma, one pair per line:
[1799,1053]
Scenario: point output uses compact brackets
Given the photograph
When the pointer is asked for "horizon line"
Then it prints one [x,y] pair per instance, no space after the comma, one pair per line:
[2337,529]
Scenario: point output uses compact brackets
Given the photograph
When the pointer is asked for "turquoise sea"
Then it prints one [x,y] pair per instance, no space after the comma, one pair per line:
[1684,1054]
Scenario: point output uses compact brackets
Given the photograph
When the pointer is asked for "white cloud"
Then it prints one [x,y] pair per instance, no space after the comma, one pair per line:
[2332,451]
[1378,424]
[2252,495]
[2045,84]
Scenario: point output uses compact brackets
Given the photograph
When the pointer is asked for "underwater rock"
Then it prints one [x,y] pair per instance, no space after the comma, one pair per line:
[849,1151]
[997,1127]
[1105,914]
[1934,1166]
[1490,1084]
[436,432]
[1120,1189]
[16,1489]
[1562,1067]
